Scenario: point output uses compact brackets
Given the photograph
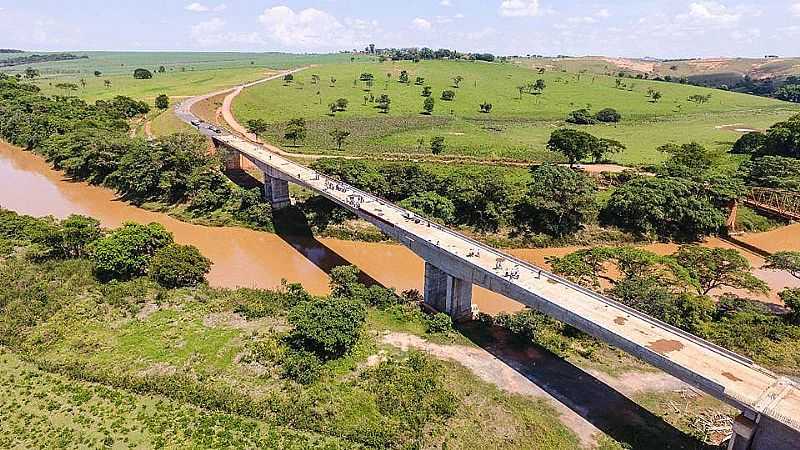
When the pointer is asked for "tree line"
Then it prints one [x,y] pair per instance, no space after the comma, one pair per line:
[90,142]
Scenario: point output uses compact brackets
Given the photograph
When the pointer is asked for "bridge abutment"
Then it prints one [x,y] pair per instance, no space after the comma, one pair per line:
[448,294]
[762,434]
[232,159]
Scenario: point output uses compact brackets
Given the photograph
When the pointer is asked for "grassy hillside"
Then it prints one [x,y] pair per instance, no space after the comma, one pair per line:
[518,125]
[757,68]
[187,73]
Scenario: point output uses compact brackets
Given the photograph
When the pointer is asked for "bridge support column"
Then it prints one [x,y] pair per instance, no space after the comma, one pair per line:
[276,192]
[232,159]
[763,434]
[447,294]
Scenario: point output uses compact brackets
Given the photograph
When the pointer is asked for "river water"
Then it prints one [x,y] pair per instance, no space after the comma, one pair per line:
[256,259]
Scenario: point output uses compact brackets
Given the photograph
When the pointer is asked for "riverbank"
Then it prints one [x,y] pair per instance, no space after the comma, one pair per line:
[249,258]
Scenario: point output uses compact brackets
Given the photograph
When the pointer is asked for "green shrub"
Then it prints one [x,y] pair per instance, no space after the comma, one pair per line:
[439,323]
[176,266]
[581,117]
[126,252]
[608,115]
[300,366]
[328,328]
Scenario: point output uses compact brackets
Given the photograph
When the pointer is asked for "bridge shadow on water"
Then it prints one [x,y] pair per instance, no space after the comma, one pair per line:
[292,226]
[601,405]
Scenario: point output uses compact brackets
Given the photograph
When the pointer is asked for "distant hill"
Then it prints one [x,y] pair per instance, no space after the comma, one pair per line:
[755,68]
[10,50]
[33,59]
[759,76]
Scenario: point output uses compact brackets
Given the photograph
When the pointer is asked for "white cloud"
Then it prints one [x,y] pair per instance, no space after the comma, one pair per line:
[603,13]
[796,9]
[582,20]
[212,33]
[458,16]
[519,8]
[446,3]
[714,12]
[312,28]
[421,24]
[199,7]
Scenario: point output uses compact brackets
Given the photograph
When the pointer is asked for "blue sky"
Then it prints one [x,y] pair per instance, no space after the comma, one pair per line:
[660,28]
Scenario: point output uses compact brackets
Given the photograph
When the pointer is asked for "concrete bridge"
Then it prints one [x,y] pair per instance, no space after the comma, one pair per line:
[770,404]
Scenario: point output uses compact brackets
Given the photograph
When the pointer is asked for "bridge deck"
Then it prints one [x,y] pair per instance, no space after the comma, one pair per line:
[721,373]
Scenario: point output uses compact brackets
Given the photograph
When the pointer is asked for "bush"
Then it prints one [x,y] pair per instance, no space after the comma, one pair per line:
[300,366]
[448,95]
[608,115]
[581,117]
[162,101]
[126,252]
[439,323]
[176,266]
[791,298]
[142,74]
[431,204]
[328,328]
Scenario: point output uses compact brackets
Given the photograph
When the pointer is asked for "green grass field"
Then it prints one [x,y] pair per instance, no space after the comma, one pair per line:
[517,127]
[187,73]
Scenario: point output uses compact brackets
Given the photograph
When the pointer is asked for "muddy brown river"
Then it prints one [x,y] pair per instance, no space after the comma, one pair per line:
[256,259]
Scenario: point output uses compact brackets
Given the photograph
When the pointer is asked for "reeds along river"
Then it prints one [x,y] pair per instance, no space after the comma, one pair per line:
[250,258]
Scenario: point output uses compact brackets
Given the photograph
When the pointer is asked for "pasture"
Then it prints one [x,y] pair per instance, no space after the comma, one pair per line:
[519,123]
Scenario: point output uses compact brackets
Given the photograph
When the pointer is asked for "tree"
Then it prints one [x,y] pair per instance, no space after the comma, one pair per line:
[539,86]
[714,268]
[608,115]
[176,266]
[457,81]
[339,136]
[328,328]
[749,144]
[288,78]
[521,88]
[142,74]
[341,104]
[486,107]
[333,81]
[699,98]
[431,204]
[295,130]
[404,77]
[97,73]
[687,160]
[107,83]
[77,233]
[789,93]
[31,73]
[333,108]
[419,81]
[437,145]
[162,102]
[776,172]
[257,126]
[558,201]
[383,103]
[82,81]
[654,95]
[126,252]
[603,147]
[448,95]
[575,145]
[581,117]
[162,69]
[668,207]
[427,91]
[428,105]
[314,79]
[788,261]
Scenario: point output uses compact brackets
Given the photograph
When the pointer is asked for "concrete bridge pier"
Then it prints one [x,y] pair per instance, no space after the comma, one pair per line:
[276,190]
[232,159]
[448,294]
[761,433]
